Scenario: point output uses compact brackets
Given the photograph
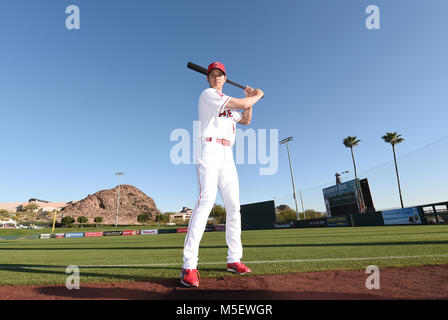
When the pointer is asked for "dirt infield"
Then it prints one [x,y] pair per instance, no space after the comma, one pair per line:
[426,282]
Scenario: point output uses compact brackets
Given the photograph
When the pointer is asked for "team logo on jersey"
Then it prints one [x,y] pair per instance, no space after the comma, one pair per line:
[226,114]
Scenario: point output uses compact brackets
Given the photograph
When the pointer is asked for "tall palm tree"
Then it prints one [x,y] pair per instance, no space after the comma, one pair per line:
[393,138]
[351,142]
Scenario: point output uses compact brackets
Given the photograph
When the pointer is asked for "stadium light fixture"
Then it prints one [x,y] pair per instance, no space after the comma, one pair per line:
[338,176]
[285,141]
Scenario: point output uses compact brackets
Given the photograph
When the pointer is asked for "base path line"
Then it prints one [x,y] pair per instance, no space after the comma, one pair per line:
[16,266]
[270,261]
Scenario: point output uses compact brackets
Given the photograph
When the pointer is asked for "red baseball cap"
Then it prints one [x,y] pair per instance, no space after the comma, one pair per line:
[216,65]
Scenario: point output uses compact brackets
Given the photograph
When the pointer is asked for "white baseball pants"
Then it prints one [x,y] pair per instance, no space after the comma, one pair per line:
[215,168]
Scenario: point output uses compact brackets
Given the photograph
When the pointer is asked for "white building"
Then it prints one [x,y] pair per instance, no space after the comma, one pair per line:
[8,224]
[185,214]
[45,206]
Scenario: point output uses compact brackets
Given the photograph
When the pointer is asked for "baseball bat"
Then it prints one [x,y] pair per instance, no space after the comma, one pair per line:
[202,70]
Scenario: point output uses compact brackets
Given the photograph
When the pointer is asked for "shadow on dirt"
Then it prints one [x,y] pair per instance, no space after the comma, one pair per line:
[171,290]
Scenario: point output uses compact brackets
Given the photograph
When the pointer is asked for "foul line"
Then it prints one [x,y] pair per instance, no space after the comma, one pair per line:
[270,261]
[15,266]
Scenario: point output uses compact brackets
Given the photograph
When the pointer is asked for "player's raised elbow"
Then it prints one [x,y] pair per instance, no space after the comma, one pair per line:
[238,104]
[247,106]
[244,121]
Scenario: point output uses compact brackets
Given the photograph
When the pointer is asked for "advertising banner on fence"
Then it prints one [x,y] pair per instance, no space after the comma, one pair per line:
[144,232]
[60,235]
[220,227]
[45,236]
[166,231]
[182,230]
[74,235]
[311,223]
[130,233]
[338,221]
[401,216]
[282,226]
[112,233]
[93,234]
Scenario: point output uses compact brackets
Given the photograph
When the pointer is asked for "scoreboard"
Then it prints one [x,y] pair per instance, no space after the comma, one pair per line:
[346,198]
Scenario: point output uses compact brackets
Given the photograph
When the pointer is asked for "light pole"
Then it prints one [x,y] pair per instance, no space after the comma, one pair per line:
[338,176]
[118,196]
[285,141]
[301,201]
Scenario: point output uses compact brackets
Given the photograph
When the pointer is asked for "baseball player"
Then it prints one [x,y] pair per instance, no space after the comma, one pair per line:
[216,168]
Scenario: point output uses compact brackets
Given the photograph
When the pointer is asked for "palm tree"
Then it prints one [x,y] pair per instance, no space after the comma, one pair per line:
[351,142]
[393,138]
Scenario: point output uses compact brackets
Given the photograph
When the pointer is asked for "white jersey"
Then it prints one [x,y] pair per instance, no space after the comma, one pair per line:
[216,170]
[216,120]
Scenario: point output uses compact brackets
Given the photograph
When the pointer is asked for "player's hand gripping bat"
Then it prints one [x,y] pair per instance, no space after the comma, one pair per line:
[202,70]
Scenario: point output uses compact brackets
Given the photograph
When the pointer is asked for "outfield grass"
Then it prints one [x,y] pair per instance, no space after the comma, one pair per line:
[151,257]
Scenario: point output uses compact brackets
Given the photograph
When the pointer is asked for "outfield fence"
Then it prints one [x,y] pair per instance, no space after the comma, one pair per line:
[141,232]
[33,236]
[434,213]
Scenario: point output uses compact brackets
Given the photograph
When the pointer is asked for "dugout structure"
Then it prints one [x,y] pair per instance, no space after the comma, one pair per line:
[259,215]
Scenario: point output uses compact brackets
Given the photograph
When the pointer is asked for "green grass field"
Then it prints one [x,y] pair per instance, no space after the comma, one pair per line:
[152,257]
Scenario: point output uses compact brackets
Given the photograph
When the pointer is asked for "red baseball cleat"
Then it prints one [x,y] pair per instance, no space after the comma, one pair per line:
[238,267]
[189,277]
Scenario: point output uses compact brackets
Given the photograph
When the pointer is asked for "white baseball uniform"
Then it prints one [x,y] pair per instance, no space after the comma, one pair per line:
[215,168]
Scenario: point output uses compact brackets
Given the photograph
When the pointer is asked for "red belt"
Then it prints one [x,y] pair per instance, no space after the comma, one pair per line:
[224,142]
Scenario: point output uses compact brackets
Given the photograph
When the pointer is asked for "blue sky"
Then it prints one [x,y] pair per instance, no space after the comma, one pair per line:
[76,106]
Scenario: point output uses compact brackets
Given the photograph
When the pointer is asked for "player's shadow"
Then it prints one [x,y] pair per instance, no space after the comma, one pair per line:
[171,290]
[57,270]
[253,294]
[86,292]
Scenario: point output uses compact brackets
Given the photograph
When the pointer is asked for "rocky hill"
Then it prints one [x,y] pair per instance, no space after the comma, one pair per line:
[133,202]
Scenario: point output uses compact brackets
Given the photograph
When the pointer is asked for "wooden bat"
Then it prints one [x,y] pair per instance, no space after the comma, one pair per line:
[202,70]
